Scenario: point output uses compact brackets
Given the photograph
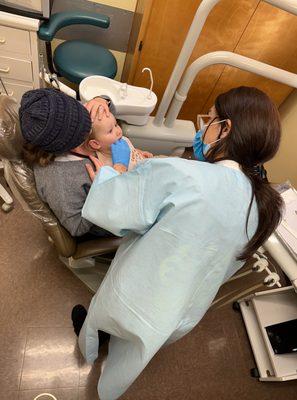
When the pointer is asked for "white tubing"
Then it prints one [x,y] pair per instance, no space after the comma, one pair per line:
[196,27]
[286,5]
[228,58]
[149,96]
[241,294]
[234,277]
[283,258]
[64,88]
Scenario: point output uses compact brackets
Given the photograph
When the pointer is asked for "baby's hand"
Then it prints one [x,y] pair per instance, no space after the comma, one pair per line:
[97,164]
[146,154]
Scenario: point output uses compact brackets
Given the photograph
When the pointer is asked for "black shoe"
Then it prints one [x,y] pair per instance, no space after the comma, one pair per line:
[78,316]
[103,338]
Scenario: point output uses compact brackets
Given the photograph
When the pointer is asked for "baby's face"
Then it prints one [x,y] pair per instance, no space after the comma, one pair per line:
[106,131]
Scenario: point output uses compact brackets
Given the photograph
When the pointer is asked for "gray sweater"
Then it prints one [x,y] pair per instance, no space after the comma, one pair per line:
[64,186]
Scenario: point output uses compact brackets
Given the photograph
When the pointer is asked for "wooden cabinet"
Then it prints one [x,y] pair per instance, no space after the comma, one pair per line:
[269,37]
[248,27]
[19,55]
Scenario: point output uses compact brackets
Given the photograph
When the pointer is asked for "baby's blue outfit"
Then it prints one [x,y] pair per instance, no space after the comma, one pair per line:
[184,224]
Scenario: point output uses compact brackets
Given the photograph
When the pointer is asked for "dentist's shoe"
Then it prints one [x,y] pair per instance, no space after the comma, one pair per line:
[78,316]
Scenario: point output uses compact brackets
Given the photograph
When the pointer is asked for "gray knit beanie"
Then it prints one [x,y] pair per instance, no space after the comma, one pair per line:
[53,121]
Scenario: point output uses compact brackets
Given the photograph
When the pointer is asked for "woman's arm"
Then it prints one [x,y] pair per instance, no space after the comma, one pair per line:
[98,106]
[119,168]
[65,190]
[115,202]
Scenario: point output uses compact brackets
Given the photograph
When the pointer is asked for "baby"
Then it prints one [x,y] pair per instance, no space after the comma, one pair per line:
[107,131]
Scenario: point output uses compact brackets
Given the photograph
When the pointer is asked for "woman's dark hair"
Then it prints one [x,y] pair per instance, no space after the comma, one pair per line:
[253,139]
[33,155]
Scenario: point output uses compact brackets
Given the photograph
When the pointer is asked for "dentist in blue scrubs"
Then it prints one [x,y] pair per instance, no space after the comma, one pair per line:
[188,226]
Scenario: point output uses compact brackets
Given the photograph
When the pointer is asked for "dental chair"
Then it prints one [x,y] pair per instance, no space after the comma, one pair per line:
[7,202]
[77,256]
[77,59]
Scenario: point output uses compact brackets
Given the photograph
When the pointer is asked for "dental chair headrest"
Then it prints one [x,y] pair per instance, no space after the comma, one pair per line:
[11,140]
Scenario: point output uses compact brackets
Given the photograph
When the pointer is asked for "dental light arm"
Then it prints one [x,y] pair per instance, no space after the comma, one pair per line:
[228,58]
[197,25]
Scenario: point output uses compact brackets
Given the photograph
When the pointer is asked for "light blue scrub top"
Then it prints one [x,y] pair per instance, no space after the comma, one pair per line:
[184,224]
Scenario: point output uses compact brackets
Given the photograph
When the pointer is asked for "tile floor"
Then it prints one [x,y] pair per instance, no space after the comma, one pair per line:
[39,353]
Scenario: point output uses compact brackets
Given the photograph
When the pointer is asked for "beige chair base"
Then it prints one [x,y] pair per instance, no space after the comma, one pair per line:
[7,199]
[4,195]
[90,272]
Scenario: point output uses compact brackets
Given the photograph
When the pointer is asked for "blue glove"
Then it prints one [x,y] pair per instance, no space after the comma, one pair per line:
[120,151]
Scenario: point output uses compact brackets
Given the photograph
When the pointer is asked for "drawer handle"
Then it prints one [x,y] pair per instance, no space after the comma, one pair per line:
[2,40]
[6,70]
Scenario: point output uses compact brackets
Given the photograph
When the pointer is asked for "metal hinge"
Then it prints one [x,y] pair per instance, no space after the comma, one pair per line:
[140,45]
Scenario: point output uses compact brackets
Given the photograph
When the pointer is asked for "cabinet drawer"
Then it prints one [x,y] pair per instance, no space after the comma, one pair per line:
[14,90]
[16,41]
[14,68]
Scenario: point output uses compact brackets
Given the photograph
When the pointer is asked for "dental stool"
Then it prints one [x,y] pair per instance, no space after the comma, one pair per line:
[77,256]
[77,59]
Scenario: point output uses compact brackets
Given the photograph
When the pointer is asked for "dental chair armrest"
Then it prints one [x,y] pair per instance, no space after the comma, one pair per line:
[65,244]
[96,247]
[48,29]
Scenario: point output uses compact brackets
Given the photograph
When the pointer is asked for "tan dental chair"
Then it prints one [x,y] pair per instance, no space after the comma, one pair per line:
[79,257]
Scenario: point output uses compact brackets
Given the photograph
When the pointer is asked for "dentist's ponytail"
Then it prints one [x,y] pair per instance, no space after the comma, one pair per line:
[269,204]
[253,139]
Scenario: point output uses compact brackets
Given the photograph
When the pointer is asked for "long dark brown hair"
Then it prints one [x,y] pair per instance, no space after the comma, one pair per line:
[253,139]
[33,155]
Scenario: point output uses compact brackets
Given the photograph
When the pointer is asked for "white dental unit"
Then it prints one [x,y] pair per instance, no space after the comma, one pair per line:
[165,134]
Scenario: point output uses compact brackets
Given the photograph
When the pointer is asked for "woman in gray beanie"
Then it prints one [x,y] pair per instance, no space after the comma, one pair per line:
[55,128]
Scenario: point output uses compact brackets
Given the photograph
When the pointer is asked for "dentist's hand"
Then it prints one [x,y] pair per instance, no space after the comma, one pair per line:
[97,107]
[120,151]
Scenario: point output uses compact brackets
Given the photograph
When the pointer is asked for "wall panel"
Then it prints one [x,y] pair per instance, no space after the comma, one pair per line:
[167,29]
[270,37]
[252,28]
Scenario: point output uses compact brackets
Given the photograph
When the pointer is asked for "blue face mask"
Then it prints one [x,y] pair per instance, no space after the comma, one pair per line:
[200,148]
